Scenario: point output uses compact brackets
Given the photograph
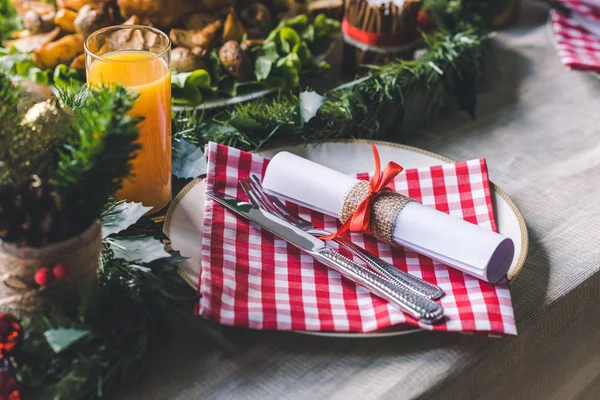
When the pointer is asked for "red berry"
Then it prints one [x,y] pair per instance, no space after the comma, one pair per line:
[43,276]
[10,333]
[9,386]
[60,271]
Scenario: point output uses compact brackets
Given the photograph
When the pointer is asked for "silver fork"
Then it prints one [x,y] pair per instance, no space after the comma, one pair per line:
[254,191]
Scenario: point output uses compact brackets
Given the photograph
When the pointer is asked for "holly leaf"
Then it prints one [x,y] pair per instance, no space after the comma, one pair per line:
[310,102]
[188,160]
[121,217]
[176,258]
[62,339]
[142,249]
[167,264]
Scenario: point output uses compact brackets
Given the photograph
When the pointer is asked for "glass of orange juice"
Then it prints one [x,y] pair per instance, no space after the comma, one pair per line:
[138,58]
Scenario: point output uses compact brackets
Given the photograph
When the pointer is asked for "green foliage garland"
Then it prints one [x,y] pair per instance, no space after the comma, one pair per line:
[372,106]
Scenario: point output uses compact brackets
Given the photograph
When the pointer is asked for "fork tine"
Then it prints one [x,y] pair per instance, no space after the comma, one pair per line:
[250,195]
[254,198]
[265,203]
[264,199]
[277,209]
[275,201]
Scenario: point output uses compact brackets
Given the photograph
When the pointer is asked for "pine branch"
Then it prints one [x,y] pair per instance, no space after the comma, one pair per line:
[9,99]
[9,115]
[94,162]
[370,107]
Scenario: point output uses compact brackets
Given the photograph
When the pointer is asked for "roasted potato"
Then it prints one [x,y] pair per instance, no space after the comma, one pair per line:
[20,34]
[199,52]
[167,13]
[90,19]
[36,23]
[257,15]
[127,38]
[197,37]
[251,43]
[233,29]
[62,51]
[65,19]
[184,60]
[22,6]
[78,62]
[198,20]
[117,40]
[133,20]
[74,4]
[33,42]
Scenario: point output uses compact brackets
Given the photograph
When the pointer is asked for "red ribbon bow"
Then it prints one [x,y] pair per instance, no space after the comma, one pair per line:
[360,219]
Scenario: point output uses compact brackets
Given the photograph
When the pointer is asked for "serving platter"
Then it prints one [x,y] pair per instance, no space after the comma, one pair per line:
[223,102]
[185,217]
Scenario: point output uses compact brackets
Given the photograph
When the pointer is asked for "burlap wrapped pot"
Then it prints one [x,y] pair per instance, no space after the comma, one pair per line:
[20,294]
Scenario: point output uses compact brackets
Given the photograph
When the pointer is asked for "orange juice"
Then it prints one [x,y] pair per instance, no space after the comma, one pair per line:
[148,75]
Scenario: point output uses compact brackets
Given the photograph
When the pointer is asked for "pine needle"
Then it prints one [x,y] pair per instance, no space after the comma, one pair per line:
[95,160]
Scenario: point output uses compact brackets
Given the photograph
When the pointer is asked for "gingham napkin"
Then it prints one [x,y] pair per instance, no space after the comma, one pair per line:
[251,279]
[577,34]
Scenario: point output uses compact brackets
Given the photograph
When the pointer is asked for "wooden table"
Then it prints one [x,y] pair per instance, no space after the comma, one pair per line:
[539,128]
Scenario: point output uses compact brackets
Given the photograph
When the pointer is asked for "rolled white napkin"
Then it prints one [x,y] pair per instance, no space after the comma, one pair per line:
[467,247]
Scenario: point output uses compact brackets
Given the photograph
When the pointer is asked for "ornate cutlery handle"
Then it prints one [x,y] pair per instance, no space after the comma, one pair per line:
[386,269]
[405,299]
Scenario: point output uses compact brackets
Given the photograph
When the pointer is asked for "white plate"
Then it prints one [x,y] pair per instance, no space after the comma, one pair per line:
[185,217]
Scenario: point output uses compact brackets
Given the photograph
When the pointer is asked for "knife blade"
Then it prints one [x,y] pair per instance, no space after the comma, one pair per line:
[409,302]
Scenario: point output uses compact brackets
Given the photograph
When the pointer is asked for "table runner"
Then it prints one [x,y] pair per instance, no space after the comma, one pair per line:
[251,279]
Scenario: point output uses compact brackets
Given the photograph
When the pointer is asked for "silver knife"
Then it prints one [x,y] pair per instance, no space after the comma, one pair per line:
[407,300]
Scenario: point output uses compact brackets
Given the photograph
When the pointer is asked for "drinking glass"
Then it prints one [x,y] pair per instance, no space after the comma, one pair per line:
[138,58]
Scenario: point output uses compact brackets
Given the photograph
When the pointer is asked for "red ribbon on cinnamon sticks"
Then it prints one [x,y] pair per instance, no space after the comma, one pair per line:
[361,218]
[369,38]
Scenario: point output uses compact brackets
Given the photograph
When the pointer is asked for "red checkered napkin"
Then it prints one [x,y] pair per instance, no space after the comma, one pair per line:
[578,35]
[249,278]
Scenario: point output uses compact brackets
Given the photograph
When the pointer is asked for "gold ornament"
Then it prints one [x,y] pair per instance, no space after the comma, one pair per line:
[31,146]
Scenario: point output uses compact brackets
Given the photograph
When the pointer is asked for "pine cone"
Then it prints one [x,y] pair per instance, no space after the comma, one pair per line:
[31,214]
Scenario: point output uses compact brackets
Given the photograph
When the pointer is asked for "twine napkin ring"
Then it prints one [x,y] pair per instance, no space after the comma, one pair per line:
[384,209]
[370,207]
